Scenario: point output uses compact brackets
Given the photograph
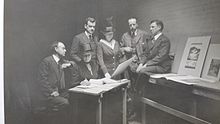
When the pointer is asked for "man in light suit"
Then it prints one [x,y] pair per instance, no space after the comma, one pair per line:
[84,38]
[132,40]
[51,78]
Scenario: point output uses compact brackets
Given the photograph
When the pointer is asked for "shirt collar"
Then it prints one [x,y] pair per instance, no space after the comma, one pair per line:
[110,44]
[157,36]
[135,32]
[57,59]
[87,34]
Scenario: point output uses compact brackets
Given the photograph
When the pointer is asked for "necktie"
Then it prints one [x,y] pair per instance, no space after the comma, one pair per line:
[90,37]
[132,34]
[153,40]
[61,75]
[89,68]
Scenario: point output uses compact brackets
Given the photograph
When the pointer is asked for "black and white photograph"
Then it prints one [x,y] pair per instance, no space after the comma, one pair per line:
[193,56]
[214,68]
[110,62]
[213,56]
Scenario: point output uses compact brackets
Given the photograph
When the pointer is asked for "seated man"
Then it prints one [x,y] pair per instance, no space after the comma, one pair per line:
[87,69]
[83,73]
[51,79]
[155,59]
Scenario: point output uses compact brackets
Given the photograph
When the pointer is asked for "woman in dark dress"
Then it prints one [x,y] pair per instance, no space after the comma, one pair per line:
[109,52]
[109,55]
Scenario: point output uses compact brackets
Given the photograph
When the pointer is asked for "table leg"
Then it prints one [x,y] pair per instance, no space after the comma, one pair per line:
[99,110]
[124,106]
[143,118]
[194,108]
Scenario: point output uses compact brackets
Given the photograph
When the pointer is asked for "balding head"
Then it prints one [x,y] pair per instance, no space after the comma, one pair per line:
[132,22]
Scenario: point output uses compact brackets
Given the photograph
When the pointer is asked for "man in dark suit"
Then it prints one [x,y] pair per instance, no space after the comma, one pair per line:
[51,78]
[83,38]
[155,58]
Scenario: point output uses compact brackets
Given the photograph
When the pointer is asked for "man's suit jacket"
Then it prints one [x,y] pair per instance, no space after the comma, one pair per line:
[50,76]
[77,44]
[135,42]
[157,54]
[80,72]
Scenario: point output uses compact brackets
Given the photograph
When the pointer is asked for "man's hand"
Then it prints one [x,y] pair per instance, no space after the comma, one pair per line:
[55,93]
[145,65]
[65,65]
[128,49]
[135,59]
[107,75]
[140,66]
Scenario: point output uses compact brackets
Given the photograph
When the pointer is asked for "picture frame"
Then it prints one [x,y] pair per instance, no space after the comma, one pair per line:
[213,58]
[214,67]
[194,55]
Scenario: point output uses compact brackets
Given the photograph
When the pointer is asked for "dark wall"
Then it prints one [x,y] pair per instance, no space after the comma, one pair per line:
[182,19]
[30,27]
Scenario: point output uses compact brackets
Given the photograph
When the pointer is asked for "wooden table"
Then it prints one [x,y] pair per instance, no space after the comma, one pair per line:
[168,96]
[99,91]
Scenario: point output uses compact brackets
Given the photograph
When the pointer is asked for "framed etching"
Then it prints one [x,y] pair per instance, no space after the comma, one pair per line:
[213,70]
[194,55]
[212,64]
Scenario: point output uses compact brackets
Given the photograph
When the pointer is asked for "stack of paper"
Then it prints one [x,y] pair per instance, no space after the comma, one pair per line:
[186,79]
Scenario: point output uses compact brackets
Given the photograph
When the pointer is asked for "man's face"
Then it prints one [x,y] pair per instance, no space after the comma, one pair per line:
[60,49]
[132,24]
[154,28]
[90,27]
[87,56]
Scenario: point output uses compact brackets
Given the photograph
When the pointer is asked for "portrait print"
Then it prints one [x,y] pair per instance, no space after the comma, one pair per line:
[214,68]
[193,56]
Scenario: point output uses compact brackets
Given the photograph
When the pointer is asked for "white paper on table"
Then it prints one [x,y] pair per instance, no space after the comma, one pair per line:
[182,79]
[163,75]
[188,79]
[96,81]
[121,67]
[199,80]
[87,86]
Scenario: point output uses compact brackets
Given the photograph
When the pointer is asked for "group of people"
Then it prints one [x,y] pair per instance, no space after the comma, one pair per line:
[94,58]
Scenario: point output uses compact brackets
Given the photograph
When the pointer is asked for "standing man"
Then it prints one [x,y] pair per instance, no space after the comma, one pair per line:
[84,38]
[133,39]
[51,79]
[132,44]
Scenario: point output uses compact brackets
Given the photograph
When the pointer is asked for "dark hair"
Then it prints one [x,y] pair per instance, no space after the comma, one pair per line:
[158,22]
[53,45]
[89,19]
